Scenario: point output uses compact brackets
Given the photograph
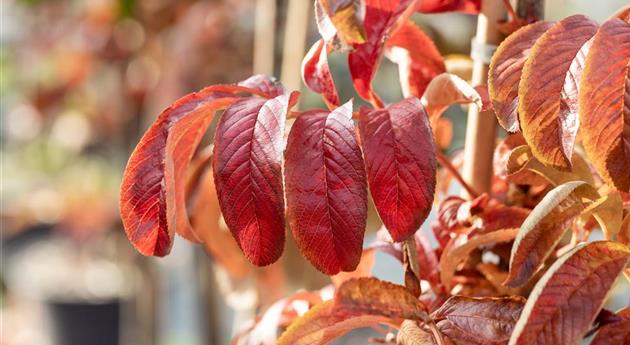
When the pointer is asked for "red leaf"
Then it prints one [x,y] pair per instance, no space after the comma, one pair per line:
[566,300]
[401,167]
[326,189]
[248,148]
[484,320]
[418,59]
[604,103]
[153,193]
[439,6]
[549,122]
[380,18]
[316,74]
[505,71]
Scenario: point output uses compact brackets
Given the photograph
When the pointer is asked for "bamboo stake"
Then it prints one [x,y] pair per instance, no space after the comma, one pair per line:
[295,31]
[264,33]
[481,128]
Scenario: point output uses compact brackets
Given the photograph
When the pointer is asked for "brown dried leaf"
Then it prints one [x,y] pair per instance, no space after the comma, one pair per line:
[566,300]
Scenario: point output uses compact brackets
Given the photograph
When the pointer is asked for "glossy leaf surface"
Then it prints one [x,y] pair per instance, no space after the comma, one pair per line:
[549,122]
[326,189]
[248,148]
[581,278]
[505,72]
[401,166]
[604,103]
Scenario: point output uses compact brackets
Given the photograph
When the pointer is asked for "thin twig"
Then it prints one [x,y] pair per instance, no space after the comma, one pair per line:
[448,166]
[410,248]
[436,333]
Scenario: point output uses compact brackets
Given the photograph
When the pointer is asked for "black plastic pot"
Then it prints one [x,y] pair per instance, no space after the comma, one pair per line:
[84,323]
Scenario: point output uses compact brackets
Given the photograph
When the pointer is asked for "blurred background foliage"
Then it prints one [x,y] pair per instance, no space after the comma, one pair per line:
[80,81]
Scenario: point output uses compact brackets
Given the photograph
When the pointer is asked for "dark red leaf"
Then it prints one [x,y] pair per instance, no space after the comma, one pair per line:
[505,71]
[439,6]
[547,117]
[401,165]
[326,189]
[316,74]
[380,18]
[248,147]
[153,190]
[418,59]
[479,320]
[566,300]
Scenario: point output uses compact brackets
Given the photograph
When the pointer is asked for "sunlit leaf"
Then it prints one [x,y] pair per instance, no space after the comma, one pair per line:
[419,61]
[549,122]
[326,189]
[153,193]
[543,230]
[505,71]
[604,103]
[248,147]
[400,159]
[370,296]
[566,300]
[316,74]
[412,334]
[381,18]
[344,15]
[447,89]
[439,6]
[608,211]
[321,324]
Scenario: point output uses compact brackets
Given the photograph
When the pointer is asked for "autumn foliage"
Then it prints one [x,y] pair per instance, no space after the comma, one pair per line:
[561,91]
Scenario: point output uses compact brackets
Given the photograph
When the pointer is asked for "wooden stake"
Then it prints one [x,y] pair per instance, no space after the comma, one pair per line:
[264,33]
[295,31]
[481,128]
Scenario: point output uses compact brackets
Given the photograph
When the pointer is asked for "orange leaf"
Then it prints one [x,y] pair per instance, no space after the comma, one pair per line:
[452,257]
[604,103]
[615,333]
[566,300]
[322,324]
[447,89]
[505,71]
[370,296]
[543,230]
[547,111]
